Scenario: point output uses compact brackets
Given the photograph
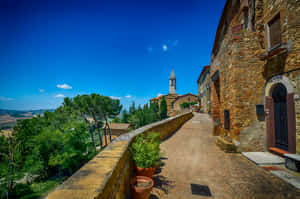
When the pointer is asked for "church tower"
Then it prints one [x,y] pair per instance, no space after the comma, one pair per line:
[172,83]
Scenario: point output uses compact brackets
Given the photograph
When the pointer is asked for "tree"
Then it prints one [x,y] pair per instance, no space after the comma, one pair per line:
[134,121]
[100,108]
[3,148]
[109,108]
[81,104]
[116,120]
[74,140]
[124,117]
[25,130]
[132,109]
[152,115]
[163,109]
[12,156]
[154,106]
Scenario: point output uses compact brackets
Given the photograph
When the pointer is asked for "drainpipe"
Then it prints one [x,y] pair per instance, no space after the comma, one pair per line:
[253,15]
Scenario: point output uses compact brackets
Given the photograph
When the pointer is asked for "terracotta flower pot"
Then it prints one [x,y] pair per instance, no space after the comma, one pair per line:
[141,192]
[148,172]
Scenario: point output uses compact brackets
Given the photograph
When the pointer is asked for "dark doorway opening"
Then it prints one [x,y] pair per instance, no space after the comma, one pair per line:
[279,96]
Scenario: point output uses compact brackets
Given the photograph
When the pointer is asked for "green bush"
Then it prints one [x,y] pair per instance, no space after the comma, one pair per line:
[145,150]
[187,104]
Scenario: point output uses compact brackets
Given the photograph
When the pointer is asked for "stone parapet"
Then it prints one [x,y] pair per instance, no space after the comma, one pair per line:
[108,174]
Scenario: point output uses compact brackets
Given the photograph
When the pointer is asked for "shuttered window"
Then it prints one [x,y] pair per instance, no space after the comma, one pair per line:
[274,32]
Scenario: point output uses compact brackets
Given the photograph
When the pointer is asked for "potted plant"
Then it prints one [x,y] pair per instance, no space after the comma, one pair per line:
[141,187]
[145,153]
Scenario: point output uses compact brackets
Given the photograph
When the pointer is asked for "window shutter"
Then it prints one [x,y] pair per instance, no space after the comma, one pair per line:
[270,122]
[291,117]
[275,31]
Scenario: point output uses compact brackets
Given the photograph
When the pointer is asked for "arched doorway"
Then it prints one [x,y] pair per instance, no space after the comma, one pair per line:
[280,116]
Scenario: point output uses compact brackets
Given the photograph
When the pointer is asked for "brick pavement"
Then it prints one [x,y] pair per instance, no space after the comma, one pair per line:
[191,156]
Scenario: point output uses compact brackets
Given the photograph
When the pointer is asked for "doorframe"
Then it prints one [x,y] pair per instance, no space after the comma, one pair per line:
[291,116]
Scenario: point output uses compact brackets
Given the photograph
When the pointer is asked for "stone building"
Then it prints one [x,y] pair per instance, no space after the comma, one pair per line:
[203,83]
[176,104]
[255,75]
[173,99]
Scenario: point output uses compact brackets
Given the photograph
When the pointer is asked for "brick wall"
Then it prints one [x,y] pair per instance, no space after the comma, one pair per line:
[244,74]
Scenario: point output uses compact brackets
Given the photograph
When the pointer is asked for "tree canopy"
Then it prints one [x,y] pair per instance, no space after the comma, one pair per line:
[163,108]
[55,144]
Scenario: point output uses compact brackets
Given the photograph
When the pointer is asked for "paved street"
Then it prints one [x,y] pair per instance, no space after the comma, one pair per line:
[191,157]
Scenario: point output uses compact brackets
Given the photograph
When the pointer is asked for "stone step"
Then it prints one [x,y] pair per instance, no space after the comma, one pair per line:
[292,162]
[264,158]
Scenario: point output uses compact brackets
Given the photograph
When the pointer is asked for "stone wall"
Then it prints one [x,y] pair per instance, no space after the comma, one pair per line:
[118,132]
[184,98]
[204,90]
[174,101]
[169,99]
[244,74]
[296,84]
[108,174]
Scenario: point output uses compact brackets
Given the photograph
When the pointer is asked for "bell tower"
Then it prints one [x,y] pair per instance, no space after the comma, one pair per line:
[172,83]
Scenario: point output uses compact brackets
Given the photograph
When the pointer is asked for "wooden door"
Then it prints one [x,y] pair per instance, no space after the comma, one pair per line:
[280,117]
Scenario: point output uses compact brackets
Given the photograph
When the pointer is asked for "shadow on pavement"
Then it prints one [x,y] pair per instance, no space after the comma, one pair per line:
[162,183]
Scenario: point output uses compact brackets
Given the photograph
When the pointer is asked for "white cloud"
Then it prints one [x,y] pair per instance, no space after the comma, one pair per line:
[41,90]
[59,96]
[114,97]
[159,94]
[64,86]
[5,99]
[128,96]
[164,47]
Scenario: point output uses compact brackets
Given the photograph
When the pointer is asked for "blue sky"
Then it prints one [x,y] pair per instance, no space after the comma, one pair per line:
[125,49]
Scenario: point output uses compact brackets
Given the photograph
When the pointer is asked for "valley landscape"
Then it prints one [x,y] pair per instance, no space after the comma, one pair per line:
[8,118]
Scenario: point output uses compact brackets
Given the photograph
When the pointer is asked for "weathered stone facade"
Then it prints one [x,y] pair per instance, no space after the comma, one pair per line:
[246,68]
[203,83]
[183,98]
[173,99]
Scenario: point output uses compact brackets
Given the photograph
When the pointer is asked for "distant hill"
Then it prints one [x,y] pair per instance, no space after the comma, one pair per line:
[8,118]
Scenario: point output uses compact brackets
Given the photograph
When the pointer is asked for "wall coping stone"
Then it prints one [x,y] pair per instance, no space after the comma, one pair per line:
[129,136]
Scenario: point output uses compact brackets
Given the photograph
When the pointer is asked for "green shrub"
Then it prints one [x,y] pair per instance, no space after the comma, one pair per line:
[187,104]
[145,150]
[22,190]
[19,191]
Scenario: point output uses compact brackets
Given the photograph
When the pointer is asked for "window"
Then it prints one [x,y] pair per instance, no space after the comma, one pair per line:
[274,32]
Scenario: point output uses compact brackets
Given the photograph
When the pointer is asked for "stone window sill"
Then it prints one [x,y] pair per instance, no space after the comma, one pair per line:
[273,52]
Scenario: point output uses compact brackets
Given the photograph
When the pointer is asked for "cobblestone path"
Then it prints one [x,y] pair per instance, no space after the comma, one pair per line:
[191,157]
